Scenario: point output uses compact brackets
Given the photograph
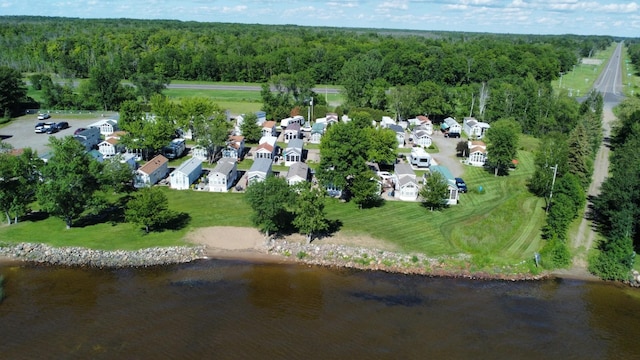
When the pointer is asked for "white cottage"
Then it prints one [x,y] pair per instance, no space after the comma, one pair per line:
[106,127]
[406,187]
[477,153]
[298,173]
[269,128]
[293,131]
[421,137]
[234,148]
[260,169]
[473,128]
[266,148]
[152,172]
[317,130]
[223,176]
[186,174]
[110,147]
[400,134]
[451,126]
[293,153]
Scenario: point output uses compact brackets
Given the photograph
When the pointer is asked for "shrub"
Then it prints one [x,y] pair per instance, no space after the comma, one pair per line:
[555,254]
[301,255]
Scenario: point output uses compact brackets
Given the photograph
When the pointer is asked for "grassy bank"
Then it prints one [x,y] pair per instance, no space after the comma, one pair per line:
[580,80]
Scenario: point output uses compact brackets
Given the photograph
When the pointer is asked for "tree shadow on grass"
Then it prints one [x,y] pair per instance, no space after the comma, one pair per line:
[35,216]
[175,221]
[113,213]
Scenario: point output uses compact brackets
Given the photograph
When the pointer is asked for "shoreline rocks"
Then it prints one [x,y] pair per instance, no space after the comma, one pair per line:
[78,256]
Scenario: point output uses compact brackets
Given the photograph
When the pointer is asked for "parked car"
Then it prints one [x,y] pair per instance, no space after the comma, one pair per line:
[52,129]
[462,186]
[43,116]
[62,125]
[39,127]
[79,130]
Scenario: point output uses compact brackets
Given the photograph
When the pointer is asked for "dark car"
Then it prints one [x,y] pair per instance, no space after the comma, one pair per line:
[79,130]
[462,186]
[52,129]
[62,125]
[452,134]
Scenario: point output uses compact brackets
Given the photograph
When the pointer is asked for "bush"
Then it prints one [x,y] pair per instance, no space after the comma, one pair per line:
[555,254]
[301,255]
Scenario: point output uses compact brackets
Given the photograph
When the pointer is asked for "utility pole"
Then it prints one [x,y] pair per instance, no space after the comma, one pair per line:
[555,172]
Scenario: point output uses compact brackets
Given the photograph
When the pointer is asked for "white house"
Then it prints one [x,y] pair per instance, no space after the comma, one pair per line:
[186,174]
[406,187]
[110,147]
[423,122]
[473,128]
[293,131]
[400,134]
[269,128]
[127,158]
[477,153]
[330,118]
[152,172]
[421,137]
[106,126]
[386,121]
[199,152]
[234,148]
[293,152]
[223,176]
[298,172]
[260,169]
[450,125]
[266,148]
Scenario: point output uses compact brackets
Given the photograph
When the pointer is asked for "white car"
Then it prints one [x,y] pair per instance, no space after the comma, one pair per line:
[384,175]
[43,116]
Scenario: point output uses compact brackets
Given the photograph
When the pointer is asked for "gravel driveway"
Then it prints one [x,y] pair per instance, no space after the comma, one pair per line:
[20,131]
[447,153]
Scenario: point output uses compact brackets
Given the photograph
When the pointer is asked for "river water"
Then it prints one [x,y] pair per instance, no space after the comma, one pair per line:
[223,309]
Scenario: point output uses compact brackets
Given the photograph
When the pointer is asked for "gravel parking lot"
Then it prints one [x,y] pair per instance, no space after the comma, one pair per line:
[20,131]
[447,155]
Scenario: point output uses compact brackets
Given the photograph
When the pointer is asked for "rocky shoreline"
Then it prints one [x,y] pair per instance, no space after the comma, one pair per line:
[327,255]
[342,256]
[84,257]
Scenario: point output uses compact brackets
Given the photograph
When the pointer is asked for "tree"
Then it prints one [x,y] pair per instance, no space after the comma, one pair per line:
[365,190]
[435,191]
[149,208]
[462,148]
[382,145]
[579,161]
[19,178]
[103,89]
[310,217]
[503,145]
[250,128]
[552,152]
[270,200]
[343,154]
[69,180]
[116,176]
[12,91]
[149,84]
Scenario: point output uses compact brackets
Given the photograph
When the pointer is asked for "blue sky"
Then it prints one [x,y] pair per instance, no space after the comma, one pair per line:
[590,17]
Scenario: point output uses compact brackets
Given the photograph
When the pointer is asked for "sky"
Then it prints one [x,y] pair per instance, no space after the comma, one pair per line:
[590,17]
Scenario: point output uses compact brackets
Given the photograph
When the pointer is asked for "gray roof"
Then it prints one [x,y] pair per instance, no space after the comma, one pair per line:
[318,128]
[396,128]
[403,169]
[295,143]
[293,127]
[190,166]
[261,165]
[298,169]
[224,166]
[407,179]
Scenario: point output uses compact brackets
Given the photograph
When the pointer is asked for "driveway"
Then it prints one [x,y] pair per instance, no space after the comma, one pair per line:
[447,153]
[20,131]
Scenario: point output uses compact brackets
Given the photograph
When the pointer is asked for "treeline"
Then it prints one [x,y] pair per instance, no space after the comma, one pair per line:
[617,208]
[408,73]
[564,166]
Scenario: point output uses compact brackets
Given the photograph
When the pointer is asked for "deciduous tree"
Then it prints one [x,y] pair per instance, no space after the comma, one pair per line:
[149,208]
[435,191]
[69,180]
[310,217]
[503,145]
[270,201]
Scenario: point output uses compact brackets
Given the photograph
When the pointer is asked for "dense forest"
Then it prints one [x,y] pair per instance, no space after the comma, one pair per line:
[404,72]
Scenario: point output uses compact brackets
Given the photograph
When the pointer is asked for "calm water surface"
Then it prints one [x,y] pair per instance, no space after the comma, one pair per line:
[236,310]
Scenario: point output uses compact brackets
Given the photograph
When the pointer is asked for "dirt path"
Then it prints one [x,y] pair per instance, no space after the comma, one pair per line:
[584,239]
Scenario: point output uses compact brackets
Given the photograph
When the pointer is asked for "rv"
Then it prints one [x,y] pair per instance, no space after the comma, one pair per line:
[288,121]
[175,149]
[420,158]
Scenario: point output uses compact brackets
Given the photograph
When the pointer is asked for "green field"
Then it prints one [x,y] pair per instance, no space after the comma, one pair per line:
[580,80]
